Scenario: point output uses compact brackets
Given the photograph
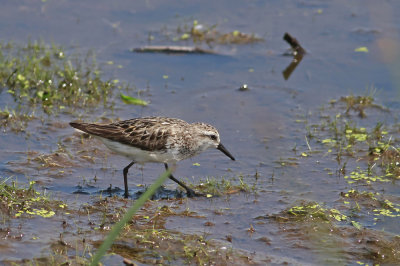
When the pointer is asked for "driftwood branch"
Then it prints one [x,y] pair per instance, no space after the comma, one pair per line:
[128,262]
[172,50]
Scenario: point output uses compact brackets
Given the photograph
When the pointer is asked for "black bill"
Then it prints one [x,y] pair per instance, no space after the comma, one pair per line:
[225,151]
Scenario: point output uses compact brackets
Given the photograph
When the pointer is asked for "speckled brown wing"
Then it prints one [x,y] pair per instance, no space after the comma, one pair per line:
[149,133]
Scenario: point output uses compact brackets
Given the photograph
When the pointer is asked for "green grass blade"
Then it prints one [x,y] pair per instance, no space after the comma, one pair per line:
[116,229]
[131,100]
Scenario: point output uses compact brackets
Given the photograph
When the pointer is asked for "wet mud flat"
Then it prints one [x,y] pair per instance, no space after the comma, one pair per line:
[68,202]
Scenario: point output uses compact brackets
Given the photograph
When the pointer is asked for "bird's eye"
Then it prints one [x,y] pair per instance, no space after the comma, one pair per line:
[213,137]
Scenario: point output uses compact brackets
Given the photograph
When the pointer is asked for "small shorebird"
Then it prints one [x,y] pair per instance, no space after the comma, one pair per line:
[156,139]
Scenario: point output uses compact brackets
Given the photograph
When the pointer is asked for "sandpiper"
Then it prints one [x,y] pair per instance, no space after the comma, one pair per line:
[156,139]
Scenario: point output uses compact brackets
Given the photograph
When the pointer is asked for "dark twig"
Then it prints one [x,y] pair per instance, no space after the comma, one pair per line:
[294,43]
[12,74]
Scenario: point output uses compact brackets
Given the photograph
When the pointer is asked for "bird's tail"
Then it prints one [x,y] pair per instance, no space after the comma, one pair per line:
[96,129]
[81,126]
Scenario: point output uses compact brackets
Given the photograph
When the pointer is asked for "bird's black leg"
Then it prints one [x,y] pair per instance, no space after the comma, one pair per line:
[190,192]
[126,178]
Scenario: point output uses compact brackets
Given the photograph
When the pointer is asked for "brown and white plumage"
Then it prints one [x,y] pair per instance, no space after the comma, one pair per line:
[155,139]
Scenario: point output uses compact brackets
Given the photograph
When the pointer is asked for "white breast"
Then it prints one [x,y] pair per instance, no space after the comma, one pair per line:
[141,156]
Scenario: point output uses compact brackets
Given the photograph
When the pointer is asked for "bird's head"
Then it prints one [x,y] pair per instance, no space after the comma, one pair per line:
[208,137]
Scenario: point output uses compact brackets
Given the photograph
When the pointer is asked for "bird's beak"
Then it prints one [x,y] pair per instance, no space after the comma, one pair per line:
[225,151]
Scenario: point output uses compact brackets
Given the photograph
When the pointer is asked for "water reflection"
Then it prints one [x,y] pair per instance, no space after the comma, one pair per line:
[297,50]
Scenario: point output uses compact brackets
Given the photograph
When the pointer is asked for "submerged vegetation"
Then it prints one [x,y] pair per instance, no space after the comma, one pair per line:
[37,74]
[313,211]
[154,244]
[144,237]
[38,78]
[351,132]
[200,33]
[24,201]
[330,231]
[355,139]
[212,186]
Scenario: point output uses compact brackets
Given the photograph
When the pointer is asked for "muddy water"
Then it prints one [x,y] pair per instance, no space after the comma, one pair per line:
[258,126]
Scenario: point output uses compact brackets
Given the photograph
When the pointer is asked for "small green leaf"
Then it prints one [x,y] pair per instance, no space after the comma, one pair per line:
[196,164]
[236,33]
[21,77]
[131,100]
[361,49]
[185,36]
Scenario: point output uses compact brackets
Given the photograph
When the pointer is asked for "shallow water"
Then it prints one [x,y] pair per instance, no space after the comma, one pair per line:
[257,126]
